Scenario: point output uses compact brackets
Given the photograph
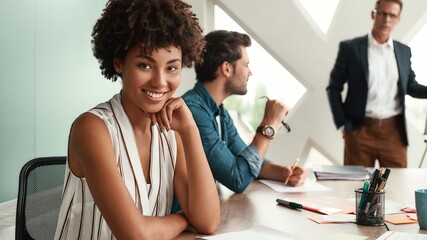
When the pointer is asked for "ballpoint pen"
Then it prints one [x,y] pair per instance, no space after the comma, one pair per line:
[374,181]
[292,170]
[383,181]
[384,178]
[288,204]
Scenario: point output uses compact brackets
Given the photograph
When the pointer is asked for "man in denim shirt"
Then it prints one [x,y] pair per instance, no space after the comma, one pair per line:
[225,72]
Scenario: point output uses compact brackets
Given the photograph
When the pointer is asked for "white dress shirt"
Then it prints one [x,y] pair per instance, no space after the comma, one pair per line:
[383,100]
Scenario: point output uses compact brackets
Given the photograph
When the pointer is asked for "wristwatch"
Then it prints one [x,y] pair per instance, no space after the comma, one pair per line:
[267,131]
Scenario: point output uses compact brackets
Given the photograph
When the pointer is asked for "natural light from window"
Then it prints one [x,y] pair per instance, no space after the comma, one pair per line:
[268,78]
[322,12]
[417,108]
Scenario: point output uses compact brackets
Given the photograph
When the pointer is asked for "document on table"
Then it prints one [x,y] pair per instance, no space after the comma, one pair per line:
[256,232]
[325,172]
[333,218]
[326,205]
[309,186]
[392,235]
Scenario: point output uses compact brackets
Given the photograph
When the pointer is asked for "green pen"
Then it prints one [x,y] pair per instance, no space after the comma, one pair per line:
[362,198]
[288,204]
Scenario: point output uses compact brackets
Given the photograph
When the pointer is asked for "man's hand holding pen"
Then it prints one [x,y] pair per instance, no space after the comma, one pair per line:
[274,113]
[295,175]
[292,171]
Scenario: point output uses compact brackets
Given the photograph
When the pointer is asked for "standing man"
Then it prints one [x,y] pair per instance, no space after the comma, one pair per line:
[378,74]
[224,72]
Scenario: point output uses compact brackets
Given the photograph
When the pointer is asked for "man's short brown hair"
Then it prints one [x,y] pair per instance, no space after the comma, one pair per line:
[377,4]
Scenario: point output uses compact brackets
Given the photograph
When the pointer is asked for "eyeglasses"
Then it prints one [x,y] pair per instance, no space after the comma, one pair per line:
[382,14]
[288,128]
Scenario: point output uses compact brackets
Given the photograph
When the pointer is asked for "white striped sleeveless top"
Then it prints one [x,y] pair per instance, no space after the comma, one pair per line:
[80,218]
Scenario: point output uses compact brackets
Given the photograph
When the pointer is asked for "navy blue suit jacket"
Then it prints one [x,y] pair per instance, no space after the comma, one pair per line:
[351,67]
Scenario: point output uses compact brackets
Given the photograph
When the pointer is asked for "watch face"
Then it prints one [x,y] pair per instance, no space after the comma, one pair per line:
[269,131]
[266,130]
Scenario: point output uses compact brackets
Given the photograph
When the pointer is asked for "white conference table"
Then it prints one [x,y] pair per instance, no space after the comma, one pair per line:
[257,205]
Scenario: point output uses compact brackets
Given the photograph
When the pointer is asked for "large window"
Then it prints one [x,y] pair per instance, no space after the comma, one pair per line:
[417,108]
[322,12]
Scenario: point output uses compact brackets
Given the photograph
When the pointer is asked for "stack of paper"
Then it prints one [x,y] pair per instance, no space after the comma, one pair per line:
[340,173]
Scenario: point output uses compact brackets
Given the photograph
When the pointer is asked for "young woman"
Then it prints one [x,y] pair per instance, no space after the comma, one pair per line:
[128,157]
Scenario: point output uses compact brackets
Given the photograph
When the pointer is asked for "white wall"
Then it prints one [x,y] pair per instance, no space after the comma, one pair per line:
[48,75]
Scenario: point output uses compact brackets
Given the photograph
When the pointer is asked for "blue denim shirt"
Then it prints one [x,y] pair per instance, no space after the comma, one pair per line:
[233,163]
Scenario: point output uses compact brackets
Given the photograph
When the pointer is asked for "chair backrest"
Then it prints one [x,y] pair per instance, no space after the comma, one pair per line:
[39,198]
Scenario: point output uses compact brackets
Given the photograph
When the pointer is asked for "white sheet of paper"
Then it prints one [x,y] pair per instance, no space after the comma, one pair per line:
[392,235]
[256,232]
[337,218]
[309,186]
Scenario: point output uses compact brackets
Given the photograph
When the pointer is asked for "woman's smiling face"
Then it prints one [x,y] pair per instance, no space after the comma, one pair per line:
[150,80]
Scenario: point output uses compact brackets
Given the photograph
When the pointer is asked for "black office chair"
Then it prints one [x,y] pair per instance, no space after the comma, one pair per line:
[39,198]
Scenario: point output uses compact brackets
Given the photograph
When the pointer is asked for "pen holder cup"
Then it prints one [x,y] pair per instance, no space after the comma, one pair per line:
[370,207]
